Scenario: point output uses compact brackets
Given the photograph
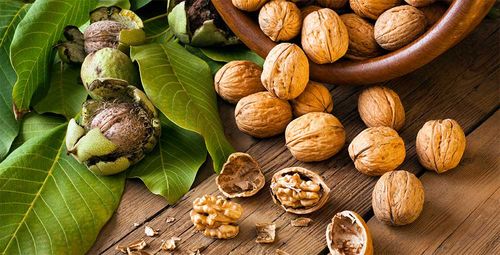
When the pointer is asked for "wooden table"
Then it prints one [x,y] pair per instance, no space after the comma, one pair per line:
[461,212]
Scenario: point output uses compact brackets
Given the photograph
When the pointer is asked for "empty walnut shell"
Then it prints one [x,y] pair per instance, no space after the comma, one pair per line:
[298,190]
[362,44]
[241,176]
[348,234]
[280,20]
[380,106]
[372,8]
[315,98]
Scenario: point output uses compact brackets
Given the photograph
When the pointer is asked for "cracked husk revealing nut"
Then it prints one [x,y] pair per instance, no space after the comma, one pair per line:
[238,79]
[248,5]
[381,106]
[266,232]
[372,8]
[377,150]
[280,20]
[440,145]
[332,4]
[420,3]
[362,44]
[262,115]
[315,98]
[399,26]
[241,176]
[398,198]
[324,36]
[298,190]
[348,234]
[216,217]
[314,136]
[286,71]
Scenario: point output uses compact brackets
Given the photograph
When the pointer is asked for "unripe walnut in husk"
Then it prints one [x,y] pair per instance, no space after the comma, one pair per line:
[262,115]
[286,71]
[238,79]
[377,150]
[362,44]
[280,20]
[380,106]
[315,98]
[398,198]
[372,8]
[440,145]
[248,5]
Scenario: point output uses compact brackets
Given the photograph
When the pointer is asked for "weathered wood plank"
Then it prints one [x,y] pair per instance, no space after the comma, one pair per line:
[461,210]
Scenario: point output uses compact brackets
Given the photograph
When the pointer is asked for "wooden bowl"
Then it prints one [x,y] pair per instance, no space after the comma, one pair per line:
[460,19]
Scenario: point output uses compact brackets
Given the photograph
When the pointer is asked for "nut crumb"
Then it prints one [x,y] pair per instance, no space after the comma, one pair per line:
[136,224]
[301,222]
[133,246]
[149,231]
[281,252]
[170,244]
[266,232]
[170,219]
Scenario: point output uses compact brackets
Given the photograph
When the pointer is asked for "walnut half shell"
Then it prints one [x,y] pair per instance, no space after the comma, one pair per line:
[348,234]
[241,176]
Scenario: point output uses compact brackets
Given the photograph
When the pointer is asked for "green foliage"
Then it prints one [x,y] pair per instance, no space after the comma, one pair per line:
[137,4]
[124,4]
[230,53]
[34,125]
[157,29]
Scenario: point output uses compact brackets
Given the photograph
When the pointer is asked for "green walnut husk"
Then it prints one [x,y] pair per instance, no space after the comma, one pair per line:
[196,22]
[116,128]
[72,50]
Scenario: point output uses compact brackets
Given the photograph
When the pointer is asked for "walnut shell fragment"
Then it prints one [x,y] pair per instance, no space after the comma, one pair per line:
[298,190]
[241,176]
[348,234]
[381,106]
[301,222]
[266,232]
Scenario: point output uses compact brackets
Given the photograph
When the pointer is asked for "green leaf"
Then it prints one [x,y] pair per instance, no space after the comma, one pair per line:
[51,204]
[66,93]
[214,65]
[181,86]
[34,125]
[157,29]
[230,53]
[124,4]
[11,13]
[171,168]
[137,4]
[32,46]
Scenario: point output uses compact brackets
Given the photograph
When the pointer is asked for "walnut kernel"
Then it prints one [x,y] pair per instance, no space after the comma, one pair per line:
[266,232]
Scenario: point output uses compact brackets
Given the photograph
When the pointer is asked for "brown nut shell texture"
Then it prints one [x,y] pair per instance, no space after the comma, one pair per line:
[315,136]
[216,217]
[241,176]
[298,190]
[380,106]
[398,198]
[324,36]
[399,26]
[248,5]
[372,8]
[377,150]
[362,44]
[440,145]
[348,234]
[286,71]
[315,98]
[262,115]
[280,20]
[238,79]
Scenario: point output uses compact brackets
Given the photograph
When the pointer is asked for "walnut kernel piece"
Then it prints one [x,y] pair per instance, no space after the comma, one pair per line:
[266,232]
[348,234]
[315,98]
[216,217]
[380,106]
[280,20]
[332,4]
[398,198]
[362,44]
[301,222]
[399,26]
[136,245]
[241,176]
[377,150]
[149,231]
[440,145]
[372,8]
[248,5]
[238,79]
[420,3]
[298,190]
[170,244]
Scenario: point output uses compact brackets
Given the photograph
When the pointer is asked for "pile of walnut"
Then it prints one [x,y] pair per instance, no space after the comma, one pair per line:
[365,28]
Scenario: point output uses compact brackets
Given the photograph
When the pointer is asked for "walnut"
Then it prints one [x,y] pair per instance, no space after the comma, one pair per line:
[324,36]
[266,232]
[362,44]
[241,176]
[399,26]
[440,145]
[280,20]
[298,190]
[433,13]
[315,98]
[381,106]
[377,150]
[332,4]
[238,79]
[248,5]
[216,217]
[372,8]
[315,136]
[420,3]
[262,115]
[348,234]
[307,10]
[398,198]
[286,71]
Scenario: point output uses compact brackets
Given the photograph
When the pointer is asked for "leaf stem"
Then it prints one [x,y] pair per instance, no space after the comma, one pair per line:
[155,18]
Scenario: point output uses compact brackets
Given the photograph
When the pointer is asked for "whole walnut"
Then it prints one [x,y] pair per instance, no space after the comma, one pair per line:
[372,8]
[398,198]
[315,136]
[286,71]
[362,44]
[324,36]
[433,12]
[420,3]
[238,79]
[381,106]
[440,145]
[399,26]
[262,115]
[377,150]
[307,10]
[248,5]
[332,4]
[315,98]
[280,20]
